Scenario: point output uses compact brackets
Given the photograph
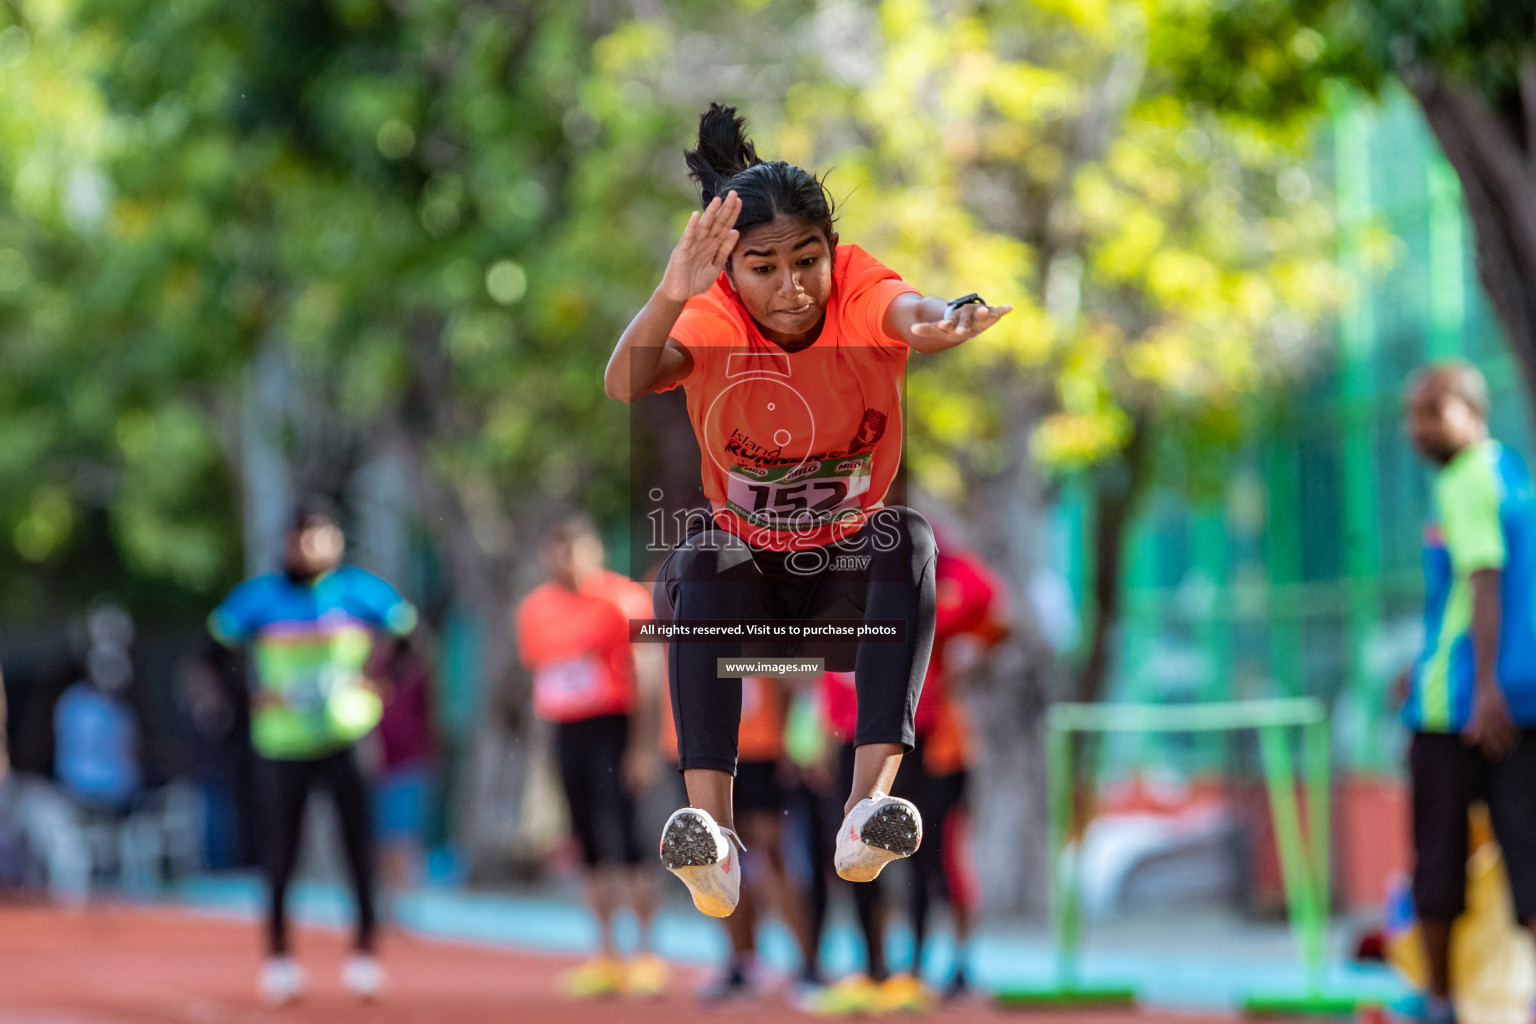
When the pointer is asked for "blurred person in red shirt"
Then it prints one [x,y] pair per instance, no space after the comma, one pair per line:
[970,618]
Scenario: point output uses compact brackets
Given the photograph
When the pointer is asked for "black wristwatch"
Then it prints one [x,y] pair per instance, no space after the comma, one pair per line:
[965,300]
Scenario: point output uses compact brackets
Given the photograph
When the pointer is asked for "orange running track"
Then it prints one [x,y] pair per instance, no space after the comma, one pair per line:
[127,965]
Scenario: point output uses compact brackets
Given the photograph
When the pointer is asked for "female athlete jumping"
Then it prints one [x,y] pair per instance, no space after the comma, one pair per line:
[791,350]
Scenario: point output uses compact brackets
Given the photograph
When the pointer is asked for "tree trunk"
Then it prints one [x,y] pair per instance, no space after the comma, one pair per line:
[1117,487]
[490,561]
[1493,158]
[1007,520]
[1011,516]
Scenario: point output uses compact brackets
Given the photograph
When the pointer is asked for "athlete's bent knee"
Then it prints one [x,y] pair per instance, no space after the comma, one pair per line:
[899,528]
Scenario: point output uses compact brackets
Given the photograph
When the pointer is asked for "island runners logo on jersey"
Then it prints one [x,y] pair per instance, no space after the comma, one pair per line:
[742,446]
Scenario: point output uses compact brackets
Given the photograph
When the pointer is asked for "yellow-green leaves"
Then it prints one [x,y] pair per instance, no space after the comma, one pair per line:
[45,525]
[1155,255]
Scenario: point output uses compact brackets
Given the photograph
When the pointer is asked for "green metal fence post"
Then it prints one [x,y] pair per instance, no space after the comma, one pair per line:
[1299,887]
[1316,756]
[1447,261]
[1303,864]
[1357,379]
[1063,875]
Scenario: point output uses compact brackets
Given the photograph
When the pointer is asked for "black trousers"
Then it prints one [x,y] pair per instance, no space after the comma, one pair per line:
[1448,775]
[591,757]
[884,571]
[282,789]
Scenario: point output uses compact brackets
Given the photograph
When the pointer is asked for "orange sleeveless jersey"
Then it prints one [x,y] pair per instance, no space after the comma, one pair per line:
[797,447]
[761,737]
[577,646]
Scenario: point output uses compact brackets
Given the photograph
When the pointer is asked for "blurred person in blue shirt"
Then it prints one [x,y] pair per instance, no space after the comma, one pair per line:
[1471,694]
[97,739]
[311,630]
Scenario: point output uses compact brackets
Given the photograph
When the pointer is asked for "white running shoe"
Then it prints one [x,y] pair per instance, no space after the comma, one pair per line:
[703,855]
[878,830]
[363,977]
[282,981]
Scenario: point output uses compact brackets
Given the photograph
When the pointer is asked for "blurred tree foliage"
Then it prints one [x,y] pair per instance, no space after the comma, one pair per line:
[100,445]
[438,214]
[1168,265]
[442,212]
[420,205]
[1470,65]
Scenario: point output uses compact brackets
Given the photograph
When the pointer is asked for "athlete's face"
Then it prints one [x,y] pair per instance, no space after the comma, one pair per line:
[1441,422]
[315,548]
[783,272]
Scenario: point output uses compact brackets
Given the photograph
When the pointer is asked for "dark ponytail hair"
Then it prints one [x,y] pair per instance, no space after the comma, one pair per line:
[727,161]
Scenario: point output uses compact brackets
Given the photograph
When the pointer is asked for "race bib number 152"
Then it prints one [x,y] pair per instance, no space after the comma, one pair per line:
[810,493]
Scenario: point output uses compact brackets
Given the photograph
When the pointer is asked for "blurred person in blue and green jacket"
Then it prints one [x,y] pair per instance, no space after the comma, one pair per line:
[311,629]
[1471,694]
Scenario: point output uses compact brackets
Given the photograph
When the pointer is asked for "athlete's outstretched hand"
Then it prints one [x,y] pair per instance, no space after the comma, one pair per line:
[960,323]
[705,246]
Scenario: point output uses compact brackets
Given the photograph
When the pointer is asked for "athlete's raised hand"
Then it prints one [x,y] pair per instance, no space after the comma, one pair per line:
[646,358]
[701,253]
[959,324]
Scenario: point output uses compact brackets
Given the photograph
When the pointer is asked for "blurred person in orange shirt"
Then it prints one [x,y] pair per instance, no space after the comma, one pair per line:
[599,691]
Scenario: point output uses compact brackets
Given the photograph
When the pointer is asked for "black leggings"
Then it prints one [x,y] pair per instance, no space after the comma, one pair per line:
[884,571]
[282,787]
